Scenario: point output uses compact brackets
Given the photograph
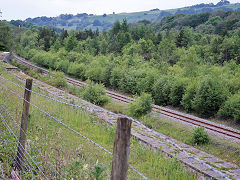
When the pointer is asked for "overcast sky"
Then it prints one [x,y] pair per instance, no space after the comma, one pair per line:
[22,9]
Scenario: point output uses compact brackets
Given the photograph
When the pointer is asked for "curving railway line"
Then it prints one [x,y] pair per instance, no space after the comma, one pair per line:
[214,127]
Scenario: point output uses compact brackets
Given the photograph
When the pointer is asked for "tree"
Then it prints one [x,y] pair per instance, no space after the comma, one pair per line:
[5,38]
[124,25]
[161,91]
[210,95]
[189,95]
[28,39]
[71,42]
[177,91]
[46,38]
[63,35]
[166,50]
[57,45]
[184,38]
[231,108]
[116,27]
[159,37]
[189,61]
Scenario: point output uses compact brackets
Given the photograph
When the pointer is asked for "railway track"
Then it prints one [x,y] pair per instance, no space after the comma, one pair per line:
[216,128]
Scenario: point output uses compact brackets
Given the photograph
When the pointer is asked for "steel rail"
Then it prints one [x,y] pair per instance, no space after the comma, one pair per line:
[125,99]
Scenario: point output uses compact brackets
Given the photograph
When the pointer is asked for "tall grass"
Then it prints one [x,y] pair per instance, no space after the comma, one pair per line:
[72,155]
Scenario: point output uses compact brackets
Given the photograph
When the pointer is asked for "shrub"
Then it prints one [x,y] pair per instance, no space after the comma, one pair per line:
[177,91]
[200,136]
[77,70]
[142,105]
[59,80]
[209,97]
[34,74]
[94,71]
[62,65]
[188,96]
[146,80]
[128,82]
[161,91]
[116,76]
[106,74]
[231,108]
[94,93]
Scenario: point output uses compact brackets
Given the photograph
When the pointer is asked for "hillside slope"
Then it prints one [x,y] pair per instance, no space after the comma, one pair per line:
[105,21]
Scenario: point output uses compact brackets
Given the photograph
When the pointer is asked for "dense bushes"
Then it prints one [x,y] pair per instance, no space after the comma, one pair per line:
[210,95]
[58,79]
[176,92]
[162,90]
[142,106]
[189,94]
[169,65]
[77,70]
[231,108]
[95,93]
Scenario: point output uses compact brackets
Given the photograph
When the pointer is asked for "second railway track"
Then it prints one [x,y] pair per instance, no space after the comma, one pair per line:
[218,128]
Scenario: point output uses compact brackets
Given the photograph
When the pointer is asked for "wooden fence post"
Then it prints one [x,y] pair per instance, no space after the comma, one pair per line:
[121,149]
[24,123]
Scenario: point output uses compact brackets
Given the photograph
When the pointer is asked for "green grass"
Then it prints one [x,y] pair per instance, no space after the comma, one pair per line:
[221,148]
[117,107]
[71,153]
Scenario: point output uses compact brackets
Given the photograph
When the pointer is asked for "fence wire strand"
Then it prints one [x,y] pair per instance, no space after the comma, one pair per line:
[68,127]
[24,157]
[19,127]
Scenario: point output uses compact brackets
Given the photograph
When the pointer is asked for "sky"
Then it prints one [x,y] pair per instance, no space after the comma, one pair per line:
[22,9]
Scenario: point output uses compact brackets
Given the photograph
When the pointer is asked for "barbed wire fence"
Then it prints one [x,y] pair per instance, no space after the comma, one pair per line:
[15,130]
[30,165]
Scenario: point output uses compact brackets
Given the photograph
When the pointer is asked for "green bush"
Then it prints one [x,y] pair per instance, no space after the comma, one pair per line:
[231,108]
[106,74]
[147,79]
[209,97]
[200,136]
[94,93]
[128,82]
[34,74]
[142,105]
[58,79]
[177,91]
[94,71]
[116,76]
[77,70]
[161,91]
[188,96]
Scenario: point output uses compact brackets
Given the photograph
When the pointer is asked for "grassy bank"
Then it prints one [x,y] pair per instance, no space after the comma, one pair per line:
[72,155]
[221,148]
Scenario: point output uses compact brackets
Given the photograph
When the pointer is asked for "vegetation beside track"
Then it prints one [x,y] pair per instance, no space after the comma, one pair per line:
[221,148]
[72,154]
